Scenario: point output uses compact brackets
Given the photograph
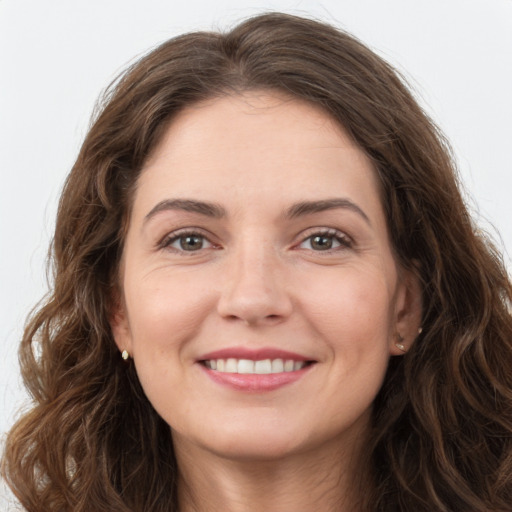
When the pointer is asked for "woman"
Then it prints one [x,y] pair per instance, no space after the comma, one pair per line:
[268,296]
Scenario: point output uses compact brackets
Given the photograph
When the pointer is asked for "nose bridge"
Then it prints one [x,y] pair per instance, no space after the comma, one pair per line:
[254,287]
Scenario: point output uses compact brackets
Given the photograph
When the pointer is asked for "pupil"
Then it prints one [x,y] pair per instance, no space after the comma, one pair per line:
[321,242]
[191,242]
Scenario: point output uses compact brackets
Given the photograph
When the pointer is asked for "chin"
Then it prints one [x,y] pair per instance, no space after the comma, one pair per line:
[248,440]
[271,441]
[256,448]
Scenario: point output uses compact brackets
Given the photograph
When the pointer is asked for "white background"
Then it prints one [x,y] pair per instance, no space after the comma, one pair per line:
[57,55]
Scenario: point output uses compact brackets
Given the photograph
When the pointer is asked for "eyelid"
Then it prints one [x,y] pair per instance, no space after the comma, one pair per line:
[346,241]
[166,241]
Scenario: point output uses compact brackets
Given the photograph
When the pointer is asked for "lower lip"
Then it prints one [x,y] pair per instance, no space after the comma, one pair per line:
[256,383]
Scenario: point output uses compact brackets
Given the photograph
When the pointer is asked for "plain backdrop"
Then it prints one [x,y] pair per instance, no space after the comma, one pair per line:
[56,56]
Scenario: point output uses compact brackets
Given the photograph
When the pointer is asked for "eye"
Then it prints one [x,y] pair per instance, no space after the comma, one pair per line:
[326,241]
[186,241]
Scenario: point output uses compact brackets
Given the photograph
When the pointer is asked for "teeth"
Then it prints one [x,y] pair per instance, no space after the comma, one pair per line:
[288,365]
[245,366]
[231,366]
[263,367]
[277,366]
[260,367]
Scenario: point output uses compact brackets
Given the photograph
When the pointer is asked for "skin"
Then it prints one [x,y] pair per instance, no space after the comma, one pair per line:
[257,279]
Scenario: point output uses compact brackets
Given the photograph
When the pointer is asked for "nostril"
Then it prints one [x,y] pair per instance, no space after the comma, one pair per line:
[253,304]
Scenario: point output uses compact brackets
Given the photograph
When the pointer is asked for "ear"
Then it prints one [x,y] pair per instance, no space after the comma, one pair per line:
[408,312]
[119,323]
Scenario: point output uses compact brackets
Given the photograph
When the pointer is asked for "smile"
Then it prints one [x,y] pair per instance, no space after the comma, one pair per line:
[255,370]
[259,367]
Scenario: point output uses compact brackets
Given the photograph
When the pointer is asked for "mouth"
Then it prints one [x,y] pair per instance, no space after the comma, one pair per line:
[259,370]
[255,367]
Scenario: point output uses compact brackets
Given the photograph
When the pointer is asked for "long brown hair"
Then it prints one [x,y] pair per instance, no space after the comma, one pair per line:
[442,422]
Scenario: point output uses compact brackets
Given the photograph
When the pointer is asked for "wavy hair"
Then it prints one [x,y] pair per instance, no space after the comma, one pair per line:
[441,435]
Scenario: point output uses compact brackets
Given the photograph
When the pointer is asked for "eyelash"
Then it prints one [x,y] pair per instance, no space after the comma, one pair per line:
[167,242]
[344,241]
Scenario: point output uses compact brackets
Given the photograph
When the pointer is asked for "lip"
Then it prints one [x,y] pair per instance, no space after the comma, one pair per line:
[253,354]
[254,383]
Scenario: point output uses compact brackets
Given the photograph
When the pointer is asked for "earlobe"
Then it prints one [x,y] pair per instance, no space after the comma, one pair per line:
[120,326]
[409,306]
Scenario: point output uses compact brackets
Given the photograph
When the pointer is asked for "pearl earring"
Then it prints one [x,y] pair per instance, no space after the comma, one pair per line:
[399,345]
[125,355]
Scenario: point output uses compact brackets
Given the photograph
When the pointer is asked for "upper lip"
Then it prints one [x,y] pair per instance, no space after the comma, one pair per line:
[253,354]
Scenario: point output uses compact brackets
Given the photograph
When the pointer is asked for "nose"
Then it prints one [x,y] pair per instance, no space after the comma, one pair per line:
[254,289]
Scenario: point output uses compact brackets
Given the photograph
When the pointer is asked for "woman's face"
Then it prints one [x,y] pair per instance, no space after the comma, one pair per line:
[258,243]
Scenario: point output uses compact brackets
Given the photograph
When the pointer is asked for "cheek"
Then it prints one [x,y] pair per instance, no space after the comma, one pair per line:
[354,321]
[165,315]
[165,311]
[353,309]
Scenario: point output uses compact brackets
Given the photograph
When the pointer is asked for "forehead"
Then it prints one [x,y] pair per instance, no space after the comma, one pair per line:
[253,146]
[242,121]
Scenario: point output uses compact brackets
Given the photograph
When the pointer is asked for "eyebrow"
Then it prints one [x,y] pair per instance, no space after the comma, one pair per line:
[310,207]
[217,211]
[187,205]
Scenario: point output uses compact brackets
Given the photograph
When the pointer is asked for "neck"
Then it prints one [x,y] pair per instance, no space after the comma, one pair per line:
[321,480]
